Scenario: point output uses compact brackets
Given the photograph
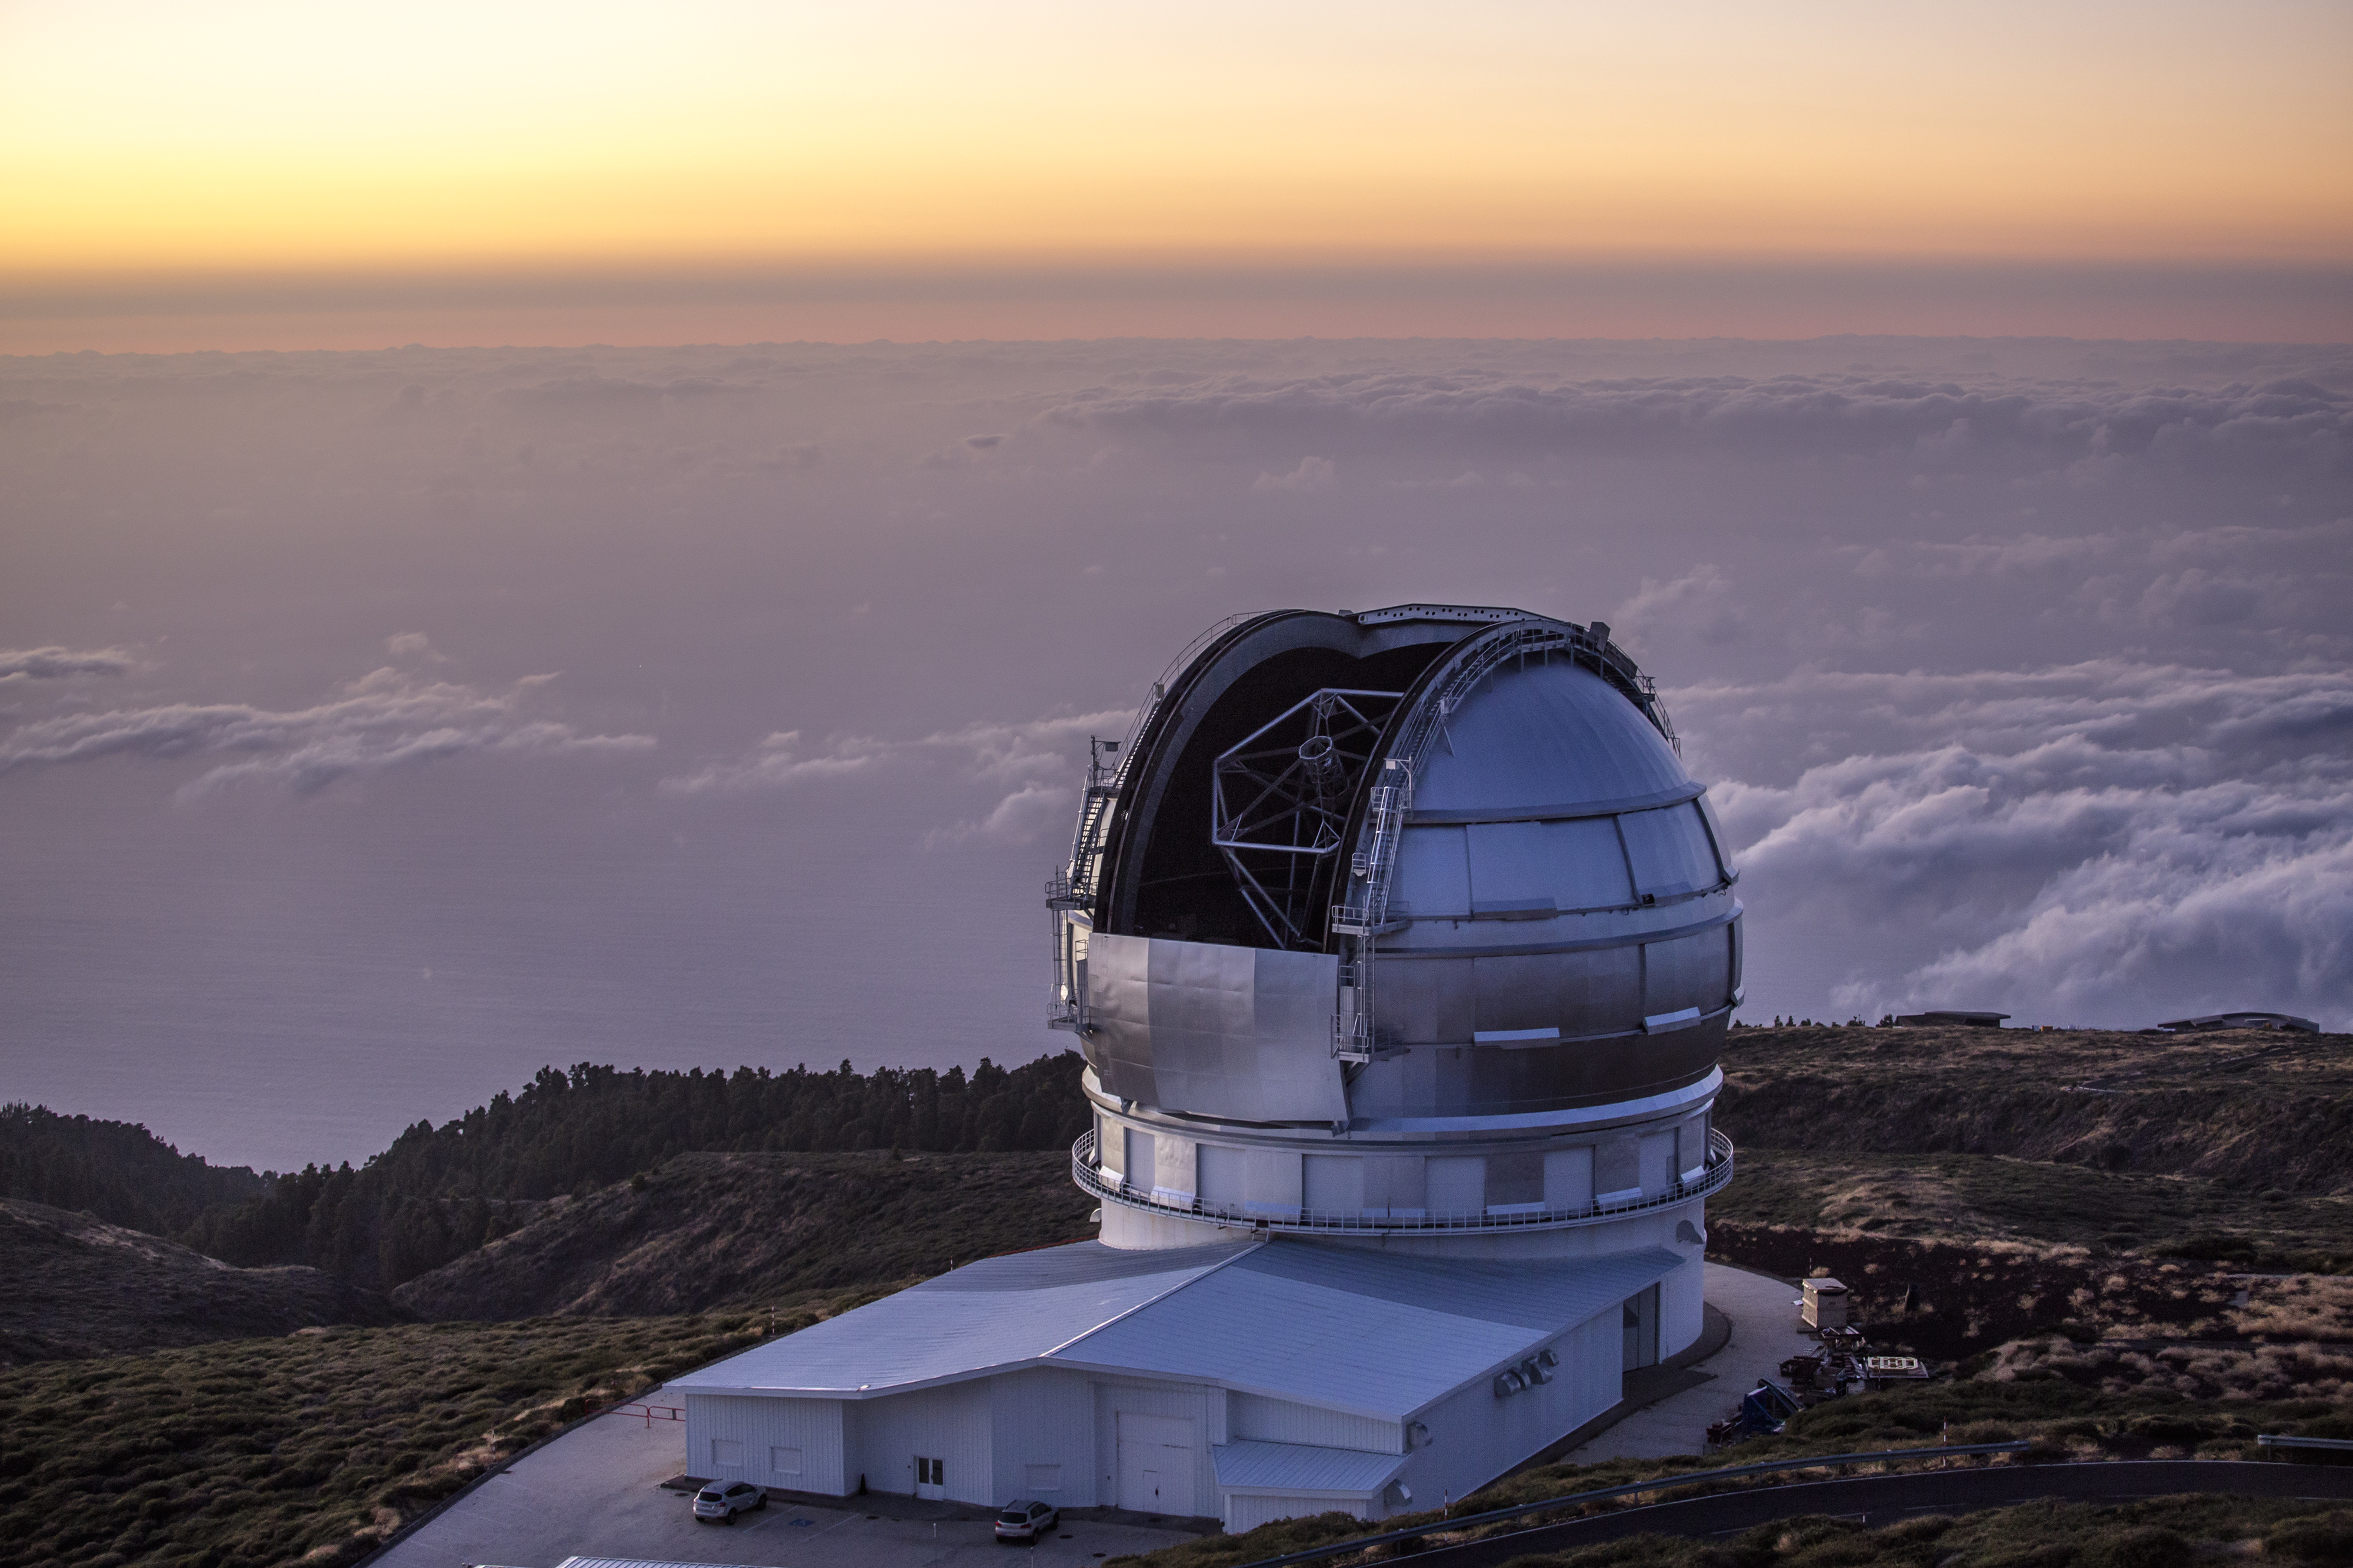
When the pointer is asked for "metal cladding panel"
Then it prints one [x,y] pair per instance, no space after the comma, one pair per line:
[1199,1407]
[1499,1080]
[1043,1424]
[1335,1184]
[1303,1467]
[1550,733]
[1474,1436]
[1692,971]
[952,1424]
[1248,1510]
[1222,1172]
[1586,863]
[1669,850]
[1507,864]
[1119,1014]
[764,1429]
[1594,992]
[1235,1032]
[1522,869]
[1432,880]
[1715,836]
[1254,1417]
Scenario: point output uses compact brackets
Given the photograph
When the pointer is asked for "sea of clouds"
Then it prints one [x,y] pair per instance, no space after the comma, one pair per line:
[375,726]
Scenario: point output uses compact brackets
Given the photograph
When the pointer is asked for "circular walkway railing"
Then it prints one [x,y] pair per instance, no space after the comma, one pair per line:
[1312,1222]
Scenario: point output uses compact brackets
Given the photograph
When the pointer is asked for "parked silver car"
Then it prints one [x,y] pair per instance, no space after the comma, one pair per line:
[1024,1520]
[721,1501]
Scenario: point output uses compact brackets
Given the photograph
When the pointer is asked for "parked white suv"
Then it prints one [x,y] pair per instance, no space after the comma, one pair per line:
[1023,1519]
[721,1501]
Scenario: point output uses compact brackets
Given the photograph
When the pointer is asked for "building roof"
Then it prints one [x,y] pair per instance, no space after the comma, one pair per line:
[2244,1021]
[1341,1328]
[1292,1469]
[984,1317]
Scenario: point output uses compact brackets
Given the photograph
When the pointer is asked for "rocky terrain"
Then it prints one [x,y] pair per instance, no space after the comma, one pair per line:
[80,1287]
[702,1232]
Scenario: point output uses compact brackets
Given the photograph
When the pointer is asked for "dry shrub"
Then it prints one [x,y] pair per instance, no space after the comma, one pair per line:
[2267,1372]
[2304,1307]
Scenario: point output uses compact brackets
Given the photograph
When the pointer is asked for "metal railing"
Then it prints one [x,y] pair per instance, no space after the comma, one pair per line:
[1287,1221]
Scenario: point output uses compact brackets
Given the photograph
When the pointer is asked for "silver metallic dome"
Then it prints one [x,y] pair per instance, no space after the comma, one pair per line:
[1405,872]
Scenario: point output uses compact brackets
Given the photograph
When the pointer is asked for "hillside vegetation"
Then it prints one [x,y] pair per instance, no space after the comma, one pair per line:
[310,1448]
[2233,1147]
[705,1232]
[2252,1109]
[440,1192]
[79,1287]
[117,1172]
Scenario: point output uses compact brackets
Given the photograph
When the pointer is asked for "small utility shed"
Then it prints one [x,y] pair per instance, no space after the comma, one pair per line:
[1248,1382]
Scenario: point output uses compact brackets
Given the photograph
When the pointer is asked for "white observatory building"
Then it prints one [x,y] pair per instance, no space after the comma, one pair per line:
[1400,948]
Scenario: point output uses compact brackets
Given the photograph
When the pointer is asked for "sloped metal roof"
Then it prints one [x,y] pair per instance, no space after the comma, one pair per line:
[1293,1468]
[984,1317]
[1358,1329]
[1342,1328]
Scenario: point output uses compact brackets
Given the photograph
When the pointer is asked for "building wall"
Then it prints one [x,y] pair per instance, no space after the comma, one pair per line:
[1199,1404]
[953,1423]
[758,1425]
[1681,1308]
[1250,1512]
[1256,1418]
[1475,1436]
[1043,1428]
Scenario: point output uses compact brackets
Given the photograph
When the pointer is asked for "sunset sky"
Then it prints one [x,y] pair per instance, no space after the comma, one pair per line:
[959,168]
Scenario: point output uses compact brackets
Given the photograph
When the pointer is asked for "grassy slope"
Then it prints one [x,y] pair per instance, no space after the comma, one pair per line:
[77,1286]
[311,1448]
[314,1446]
[706,1231]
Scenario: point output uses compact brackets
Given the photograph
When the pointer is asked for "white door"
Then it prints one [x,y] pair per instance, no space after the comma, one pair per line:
[1155,1464]
[931,1479]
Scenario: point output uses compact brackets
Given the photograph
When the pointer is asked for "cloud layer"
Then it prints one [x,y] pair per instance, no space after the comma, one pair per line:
[62,663]
[2108,840]
[1035,765]
[384,721]
[2020,667]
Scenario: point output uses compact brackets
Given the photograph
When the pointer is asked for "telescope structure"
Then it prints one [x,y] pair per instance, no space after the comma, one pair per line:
[1404,929]
[1400,948]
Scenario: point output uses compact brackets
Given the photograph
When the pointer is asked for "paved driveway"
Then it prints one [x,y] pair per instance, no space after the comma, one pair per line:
[1764,1333]
[596,1492]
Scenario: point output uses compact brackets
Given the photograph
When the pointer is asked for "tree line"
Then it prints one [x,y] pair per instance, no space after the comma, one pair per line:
[440,1192]
[121,1173]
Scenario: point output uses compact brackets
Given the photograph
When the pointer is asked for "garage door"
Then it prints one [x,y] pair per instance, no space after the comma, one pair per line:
[1156,1463]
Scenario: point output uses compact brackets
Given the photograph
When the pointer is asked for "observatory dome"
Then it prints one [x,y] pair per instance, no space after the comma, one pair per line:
[1409,900]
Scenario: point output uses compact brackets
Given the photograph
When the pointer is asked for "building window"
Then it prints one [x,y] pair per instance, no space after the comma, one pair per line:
[931,1472]
[726,1451]
[1043,1478]
[784,1461]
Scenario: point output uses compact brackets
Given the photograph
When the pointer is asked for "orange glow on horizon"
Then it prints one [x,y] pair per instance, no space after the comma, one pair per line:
[140,141]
